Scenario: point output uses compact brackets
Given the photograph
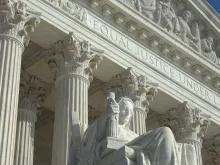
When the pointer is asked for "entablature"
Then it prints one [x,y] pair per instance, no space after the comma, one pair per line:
[194,53]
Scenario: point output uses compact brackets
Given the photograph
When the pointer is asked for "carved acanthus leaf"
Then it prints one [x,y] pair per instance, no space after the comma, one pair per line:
[32,93]
[186,122]
[139,88]
[74,56]
[15,21]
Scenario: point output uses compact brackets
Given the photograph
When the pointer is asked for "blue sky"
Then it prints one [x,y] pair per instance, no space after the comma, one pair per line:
[215,4]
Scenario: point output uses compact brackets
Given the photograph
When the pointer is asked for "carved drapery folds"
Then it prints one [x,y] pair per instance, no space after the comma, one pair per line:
[176,18]
[140,90]
[15,21]
[188,125]
[214,150]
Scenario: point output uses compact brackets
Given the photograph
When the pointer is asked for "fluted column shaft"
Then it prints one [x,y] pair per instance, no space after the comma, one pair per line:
[138,121]
[72,99]
[10,66]
[73,63]
[15,24]
[24,146]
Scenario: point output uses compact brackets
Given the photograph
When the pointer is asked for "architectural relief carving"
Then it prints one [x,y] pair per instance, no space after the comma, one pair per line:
[134,4]
[72,8]
[127,147]
[214,150]
[73,56]
[140,90]
[174,16]
[73,61]
[207,48]
[32,93]
[188,125]
[15,21]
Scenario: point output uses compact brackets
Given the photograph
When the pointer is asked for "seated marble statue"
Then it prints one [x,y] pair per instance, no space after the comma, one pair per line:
[156,147]
[207,51]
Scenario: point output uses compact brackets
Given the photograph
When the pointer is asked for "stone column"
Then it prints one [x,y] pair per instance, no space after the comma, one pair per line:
[73,62]
[14,27]
[31,96]
[140,90]
[188,125]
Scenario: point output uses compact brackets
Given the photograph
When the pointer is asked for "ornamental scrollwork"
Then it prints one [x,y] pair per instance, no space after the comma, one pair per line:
[32,92]
[16,22]
[73,56]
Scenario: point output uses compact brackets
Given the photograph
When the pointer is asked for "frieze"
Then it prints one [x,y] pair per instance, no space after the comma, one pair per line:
[71,8]
[176,17]
[154,61]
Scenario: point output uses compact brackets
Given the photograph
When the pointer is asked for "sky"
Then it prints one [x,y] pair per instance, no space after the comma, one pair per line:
[215,4]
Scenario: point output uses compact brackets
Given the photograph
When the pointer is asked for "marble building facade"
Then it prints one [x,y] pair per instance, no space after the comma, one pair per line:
[60,59]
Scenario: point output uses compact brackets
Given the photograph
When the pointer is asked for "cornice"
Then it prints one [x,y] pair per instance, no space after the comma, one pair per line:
[158,40]
[208,12]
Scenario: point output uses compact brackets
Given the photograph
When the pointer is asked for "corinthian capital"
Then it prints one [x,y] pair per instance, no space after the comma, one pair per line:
[138,88]
[187,123]
[15,21]
[32,93]
[73,56]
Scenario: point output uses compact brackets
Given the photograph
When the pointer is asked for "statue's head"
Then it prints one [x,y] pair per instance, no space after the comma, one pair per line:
[126,106]
[187,15]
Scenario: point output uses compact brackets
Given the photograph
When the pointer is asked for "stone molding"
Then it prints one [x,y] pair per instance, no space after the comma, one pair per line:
[180,56]
[73,56]
[65,20]
[187,123]
[71,8]
[153,36]
[15,21]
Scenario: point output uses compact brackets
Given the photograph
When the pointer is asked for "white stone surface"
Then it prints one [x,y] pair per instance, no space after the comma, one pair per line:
[140,90]
[73,63]
[24,145]
[13,38]
[157,146]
